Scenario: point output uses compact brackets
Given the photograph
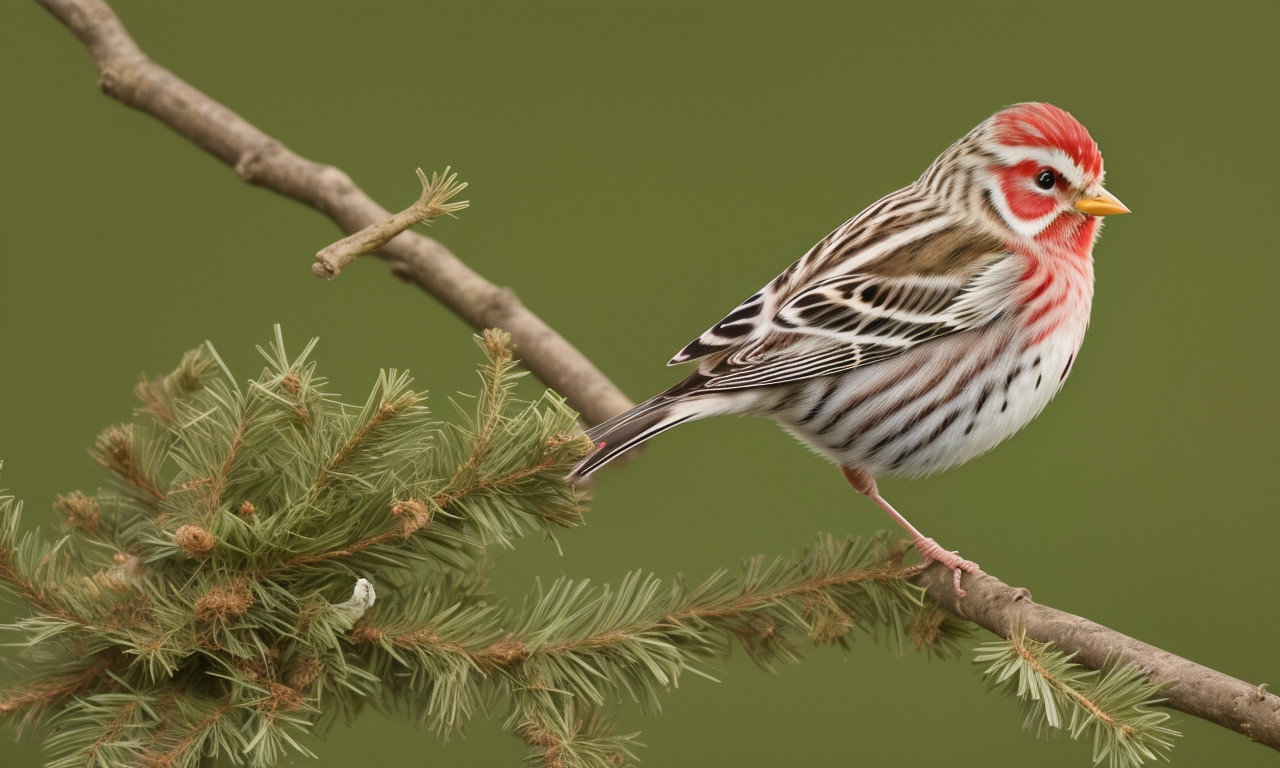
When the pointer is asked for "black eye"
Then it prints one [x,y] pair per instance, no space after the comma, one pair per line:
[1046,179]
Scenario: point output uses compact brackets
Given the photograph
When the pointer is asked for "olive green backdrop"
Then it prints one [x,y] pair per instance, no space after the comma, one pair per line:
[635,171]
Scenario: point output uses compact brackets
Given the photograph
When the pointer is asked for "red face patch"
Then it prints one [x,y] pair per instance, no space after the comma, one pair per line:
[1025,201]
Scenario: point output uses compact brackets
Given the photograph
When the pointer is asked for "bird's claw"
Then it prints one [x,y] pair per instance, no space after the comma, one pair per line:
[929,550]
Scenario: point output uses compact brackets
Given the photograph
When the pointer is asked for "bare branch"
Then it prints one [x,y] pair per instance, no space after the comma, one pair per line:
[433,204]
[1196,690]
[127,75]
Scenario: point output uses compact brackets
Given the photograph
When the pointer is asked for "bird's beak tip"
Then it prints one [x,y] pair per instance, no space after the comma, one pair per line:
[1102,204]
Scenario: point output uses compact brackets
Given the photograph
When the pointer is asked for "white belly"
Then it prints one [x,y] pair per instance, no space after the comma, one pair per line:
[934,407]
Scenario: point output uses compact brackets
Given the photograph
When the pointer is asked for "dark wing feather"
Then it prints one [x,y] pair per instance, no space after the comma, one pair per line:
[849,321]
[738,324]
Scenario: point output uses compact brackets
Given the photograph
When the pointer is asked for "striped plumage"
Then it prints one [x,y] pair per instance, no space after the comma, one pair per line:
[923,331]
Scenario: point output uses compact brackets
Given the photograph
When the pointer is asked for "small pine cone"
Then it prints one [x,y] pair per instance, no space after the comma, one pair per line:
[281,697]
[926,627]
[305,671]
[505,653]
[247,509]
[366,635]
[194,540]
[831,627]
[536,735]
[414,515]
[221,604]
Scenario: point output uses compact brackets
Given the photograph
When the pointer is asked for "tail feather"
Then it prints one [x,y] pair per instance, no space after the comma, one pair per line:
[623,432]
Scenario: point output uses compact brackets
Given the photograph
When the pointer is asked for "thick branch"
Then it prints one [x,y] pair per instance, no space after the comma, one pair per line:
[128,76]
[1199,691]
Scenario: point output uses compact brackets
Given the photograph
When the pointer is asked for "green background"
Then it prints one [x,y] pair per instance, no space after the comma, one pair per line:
[635,171]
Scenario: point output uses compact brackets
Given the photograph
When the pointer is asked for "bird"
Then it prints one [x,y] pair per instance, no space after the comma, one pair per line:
[923,331]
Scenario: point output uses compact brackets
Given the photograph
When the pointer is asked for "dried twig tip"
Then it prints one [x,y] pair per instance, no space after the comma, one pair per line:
[430,205]
[436,193]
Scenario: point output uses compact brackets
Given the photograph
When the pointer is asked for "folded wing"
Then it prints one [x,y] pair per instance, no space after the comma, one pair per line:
[852,320]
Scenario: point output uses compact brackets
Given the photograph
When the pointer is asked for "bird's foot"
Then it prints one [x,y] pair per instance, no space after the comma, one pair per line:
[929,550]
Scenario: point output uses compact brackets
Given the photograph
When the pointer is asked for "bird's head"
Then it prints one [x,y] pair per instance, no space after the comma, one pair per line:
[1042,173]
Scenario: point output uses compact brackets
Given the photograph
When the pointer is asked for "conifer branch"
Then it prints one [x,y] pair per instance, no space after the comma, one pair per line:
[220,480]
[891,569]
[23,588]
[413,515]
[127,75]
[12,580]
[1114,704]
[385,412]
[746,611]
[215,628]
[116,451]
[560,736]
[157,397]
[575,648]
[82,512]
[96,753]
[31,699]
[180,742]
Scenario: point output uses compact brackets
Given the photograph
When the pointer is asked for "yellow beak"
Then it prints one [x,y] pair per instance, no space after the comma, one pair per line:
[1104,204]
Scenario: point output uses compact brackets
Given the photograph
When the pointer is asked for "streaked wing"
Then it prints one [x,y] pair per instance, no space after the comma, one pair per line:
[848,321]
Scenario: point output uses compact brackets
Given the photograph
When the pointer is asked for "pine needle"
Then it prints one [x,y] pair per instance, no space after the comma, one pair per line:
[1114,707]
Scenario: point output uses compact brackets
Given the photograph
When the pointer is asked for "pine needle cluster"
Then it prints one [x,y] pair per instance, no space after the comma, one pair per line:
[203,605]
[1112,706]
[268,561]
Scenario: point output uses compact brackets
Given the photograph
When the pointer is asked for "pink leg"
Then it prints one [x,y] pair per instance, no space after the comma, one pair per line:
[865,484]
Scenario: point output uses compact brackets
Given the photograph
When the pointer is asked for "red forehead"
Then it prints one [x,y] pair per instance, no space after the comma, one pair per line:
[1044,125]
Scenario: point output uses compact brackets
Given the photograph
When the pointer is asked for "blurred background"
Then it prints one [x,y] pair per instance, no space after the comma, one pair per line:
[637,170]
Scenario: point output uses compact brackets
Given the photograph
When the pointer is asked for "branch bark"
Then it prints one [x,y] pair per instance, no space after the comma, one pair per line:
[1194,689]
[127,75]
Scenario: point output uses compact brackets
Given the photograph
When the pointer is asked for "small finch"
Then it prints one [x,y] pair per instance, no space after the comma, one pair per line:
[923,331]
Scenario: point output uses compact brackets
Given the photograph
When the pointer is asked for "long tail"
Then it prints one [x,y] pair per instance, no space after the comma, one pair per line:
[627,430]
